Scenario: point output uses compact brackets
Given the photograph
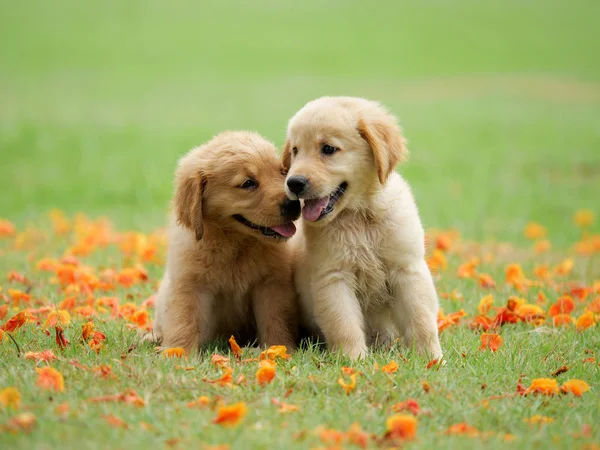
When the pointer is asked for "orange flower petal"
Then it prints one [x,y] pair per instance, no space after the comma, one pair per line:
[173,352]
[46,356]
[235,348]
[10,397]
[490,341]
[544,386]
[401,426]
[230,416]
[562,320]
[585,321]
[391,367]
[575,387]
[408,405]
[463,429]
[348,387]
[274,352]
[16,322]
[564,305]
[266,373]
[50,379]
[485,304]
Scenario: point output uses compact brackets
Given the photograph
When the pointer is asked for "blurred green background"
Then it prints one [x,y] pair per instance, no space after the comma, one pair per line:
[500,100]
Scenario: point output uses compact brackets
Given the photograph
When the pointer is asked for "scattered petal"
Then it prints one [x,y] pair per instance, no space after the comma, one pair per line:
[575,387]
[50,379]
[391,367]
[173,352]
[544,386]
[490,341]
[348,387]
[10,397]
[235,348]
[401,426]
[230,416]
[266,373]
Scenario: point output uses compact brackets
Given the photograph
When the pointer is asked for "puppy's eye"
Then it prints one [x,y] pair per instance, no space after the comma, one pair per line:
[329,149]
[295,151]
[249,184]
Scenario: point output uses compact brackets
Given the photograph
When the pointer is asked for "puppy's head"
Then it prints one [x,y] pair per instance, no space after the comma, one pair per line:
[338,151]
[235,182]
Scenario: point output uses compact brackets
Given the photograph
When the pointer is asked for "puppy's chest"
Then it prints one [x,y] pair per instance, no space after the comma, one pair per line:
[357,251]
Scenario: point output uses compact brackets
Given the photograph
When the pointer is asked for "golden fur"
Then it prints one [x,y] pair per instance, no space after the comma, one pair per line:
[360,273]
[222,277]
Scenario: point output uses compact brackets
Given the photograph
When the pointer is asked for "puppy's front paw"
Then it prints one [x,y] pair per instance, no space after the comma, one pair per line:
[153,337]
[354,352]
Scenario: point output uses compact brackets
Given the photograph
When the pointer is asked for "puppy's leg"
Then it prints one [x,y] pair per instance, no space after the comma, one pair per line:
[156,334]
[187,320]
[338,314]
[416,306]
[275,310]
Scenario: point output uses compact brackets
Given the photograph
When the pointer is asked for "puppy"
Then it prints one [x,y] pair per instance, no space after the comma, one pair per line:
[228,264]
[360,273]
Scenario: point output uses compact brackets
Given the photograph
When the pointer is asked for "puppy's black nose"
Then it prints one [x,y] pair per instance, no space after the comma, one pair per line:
[290,209]
[297,184]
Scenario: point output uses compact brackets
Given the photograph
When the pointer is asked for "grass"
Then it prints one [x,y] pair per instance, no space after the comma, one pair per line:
[501,105]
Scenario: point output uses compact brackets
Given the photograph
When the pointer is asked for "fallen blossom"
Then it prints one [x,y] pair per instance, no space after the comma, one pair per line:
[401,426]
[129,397]
[226,379]
[537,419]
[266,372]
[490,341]
[284,407]
[586,320]
[575,387]
[219,360]
[462,429]
[173,352]
[16,322]
[544,386]
[274,352]
[348,387]
[389,368]
[115,421]
[46,356]
[407,405]
[25,422]
[10,397]
[50,379]
[564,305]
[230,416]
[201,401]
[235,348]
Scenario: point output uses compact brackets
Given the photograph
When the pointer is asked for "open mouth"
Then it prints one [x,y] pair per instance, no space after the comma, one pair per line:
[283,231]
[316,208]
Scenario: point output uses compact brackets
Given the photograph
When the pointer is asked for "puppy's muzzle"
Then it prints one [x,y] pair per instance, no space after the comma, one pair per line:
[290,209]
[298,185]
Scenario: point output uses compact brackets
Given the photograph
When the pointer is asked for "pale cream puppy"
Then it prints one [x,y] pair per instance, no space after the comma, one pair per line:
[228,263]
[360,268]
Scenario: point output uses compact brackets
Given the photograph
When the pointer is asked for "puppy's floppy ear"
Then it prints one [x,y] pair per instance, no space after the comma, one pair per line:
[188,203]
[382,133]
[286,156]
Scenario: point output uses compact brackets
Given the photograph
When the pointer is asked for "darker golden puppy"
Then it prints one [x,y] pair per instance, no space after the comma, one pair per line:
[228,264]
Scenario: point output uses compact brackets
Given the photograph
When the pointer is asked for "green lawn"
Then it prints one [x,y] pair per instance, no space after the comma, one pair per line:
[500,102]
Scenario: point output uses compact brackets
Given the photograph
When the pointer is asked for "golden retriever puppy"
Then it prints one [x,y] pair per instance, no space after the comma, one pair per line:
[228,264]
[360,273]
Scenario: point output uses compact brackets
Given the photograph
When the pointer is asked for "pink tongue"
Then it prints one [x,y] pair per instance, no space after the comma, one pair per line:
[286,230]
[313,208]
